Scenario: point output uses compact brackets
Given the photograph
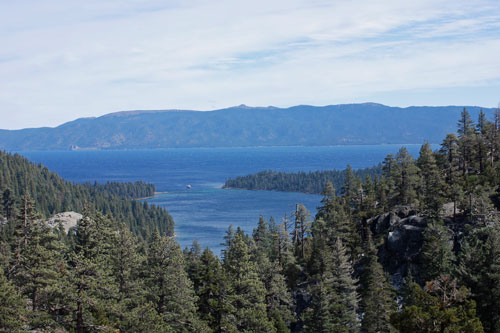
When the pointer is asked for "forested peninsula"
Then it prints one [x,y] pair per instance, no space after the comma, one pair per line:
[306,182]
[417,249]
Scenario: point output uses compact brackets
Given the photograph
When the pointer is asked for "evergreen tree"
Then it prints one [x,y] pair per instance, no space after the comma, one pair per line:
[278,299]
[334,308]
[37,270]
[319,318]
[12,306]
[91,291]
[441,307]
[132,309]
[369,197]
[262,237]
[479,269]
[249,292]
[436,255]
[8,204]
[404,176]
[481,150]
[334,220]
[432,185]
[352,188]
[466,135]
[300,230]
[213,291]
[377,296]
[451,168]
[168,286]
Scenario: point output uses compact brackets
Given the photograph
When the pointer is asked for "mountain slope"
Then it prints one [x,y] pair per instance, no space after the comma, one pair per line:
[367,123]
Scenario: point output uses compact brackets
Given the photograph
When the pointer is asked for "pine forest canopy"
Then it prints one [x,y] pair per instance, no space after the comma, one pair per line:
[52,194]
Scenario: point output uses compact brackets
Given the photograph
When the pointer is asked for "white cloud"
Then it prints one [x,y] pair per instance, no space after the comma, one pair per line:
[66,59]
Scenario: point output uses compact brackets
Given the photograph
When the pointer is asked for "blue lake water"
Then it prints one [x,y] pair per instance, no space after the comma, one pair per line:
[205,211]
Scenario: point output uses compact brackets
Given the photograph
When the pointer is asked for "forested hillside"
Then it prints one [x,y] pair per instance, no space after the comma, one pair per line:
[310,182]
[416,249]
[243,126]
[52,194]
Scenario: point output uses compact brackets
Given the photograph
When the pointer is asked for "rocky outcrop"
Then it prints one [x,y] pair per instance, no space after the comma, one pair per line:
[402,230]
[68,220]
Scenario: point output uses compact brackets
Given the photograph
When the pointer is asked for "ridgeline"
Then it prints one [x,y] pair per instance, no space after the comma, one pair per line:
[243,126]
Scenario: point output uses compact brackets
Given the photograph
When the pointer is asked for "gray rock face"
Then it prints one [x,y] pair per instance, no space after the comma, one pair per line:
[403,231]
[67,219]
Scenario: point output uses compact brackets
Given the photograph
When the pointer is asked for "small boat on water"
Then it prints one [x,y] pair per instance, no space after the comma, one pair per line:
[188,186]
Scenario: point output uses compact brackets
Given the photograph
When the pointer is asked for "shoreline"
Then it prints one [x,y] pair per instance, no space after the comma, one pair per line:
[268,190]
[150,197]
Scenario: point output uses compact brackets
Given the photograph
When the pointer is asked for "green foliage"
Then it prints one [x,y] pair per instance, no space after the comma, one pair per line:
[440,307]
[90,291]
[404,177]
[378,298]
[311,182]
[248,291]
[432,185]
[54,195]
[436,255]
[12,305]
[37,266]
[335,300]
[479,269]
[168,286]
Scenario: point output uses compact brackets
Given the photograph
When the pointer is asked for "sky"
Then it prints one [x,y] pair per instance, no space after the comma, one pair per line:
[64,59]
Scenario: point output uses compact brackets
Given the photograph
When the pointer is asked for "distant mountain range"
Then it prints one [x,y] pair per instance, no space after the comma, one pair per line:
[243,126]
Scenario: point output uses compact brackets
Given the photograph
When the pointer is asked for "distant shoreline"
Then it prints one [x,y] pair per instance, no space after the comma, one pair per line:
[150,197]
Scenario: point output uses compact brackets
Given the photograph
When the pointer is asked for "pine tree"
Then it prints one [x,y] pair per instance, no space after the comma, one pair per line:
[432,185]
[404,176]
[192,259]
[168,286]
[437,253]
[481,151]
[451,168]
[368,202]
[336,302]
[338,223]
[249,292]
[285,258]
[212,289]
[8,204]
[441,307]
[319,318]
[351,187]
[37,269]
[278,299]
[12,306]
[377,296]
[91,291]
[466,134]
[262,237]
[479,269]
[126,261]
[300,230]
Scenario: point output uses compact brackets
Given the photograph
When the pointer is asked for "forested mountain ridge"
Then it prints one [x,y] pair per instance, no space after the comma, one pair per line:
[243,126]
[52,194]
